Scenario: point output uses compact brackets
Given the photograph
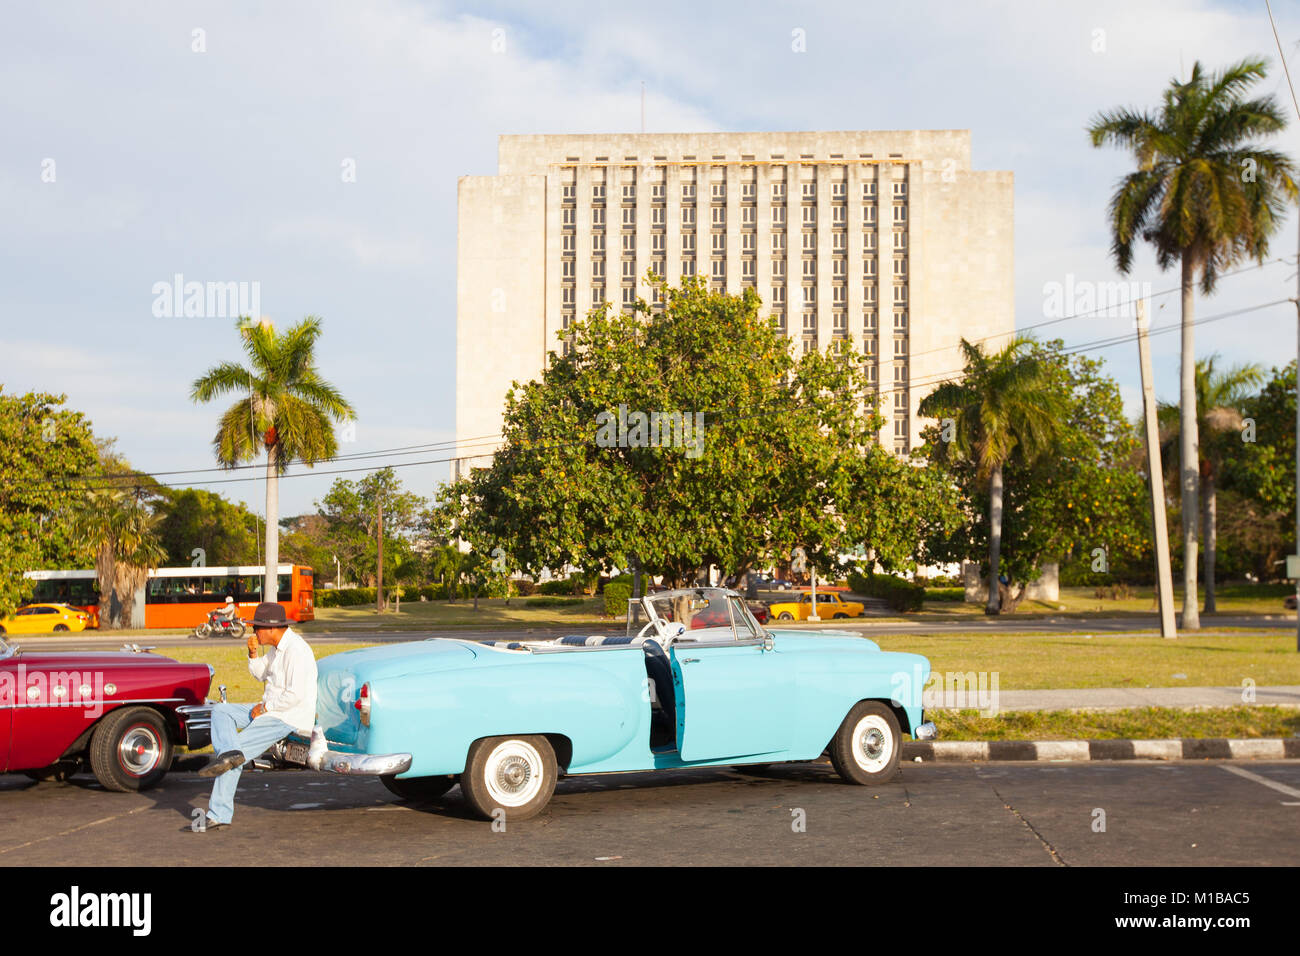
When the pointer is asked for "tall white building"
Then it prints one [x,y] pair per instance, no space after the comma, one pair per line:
[886,238]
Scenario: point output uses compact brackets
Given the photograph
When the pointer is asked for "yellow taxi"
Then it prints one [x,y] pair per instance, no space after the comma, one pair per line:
[44,618]
[829,605]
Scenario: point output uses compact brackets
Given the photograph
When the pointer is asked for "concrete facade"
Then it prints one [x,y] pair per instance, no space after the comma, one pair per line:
[885,238]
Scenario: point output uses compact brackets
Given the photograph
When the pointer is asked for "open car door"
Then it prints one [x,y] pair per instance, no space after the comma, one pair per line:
[734,691]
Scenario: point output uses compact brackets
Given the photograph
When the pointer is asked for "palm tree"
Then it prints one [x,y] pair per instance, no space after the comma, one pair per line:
[123,536]
[1219,397]
[1005,402]
[1205,196]
[286,411]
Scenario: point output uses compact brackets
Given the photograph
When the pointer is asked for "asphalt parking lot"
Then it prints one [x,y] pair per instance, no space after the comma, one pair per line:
[1183,813]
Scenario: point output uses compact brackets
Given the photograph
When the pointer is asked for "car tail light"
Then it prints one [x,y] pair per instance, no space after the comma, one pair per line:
[363,704]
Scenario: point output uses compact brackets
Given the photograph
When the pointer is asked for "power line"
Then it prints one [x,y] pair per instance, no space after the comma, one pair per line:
[485,441]
[936,379]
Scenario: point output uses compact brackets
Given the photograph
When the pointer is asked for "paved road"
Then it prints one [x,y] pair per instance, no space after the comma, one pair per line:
[1193,813]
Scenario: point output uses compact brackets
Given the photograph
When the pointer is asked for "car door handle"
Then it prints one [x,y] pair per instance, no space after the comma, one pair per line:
[690,660]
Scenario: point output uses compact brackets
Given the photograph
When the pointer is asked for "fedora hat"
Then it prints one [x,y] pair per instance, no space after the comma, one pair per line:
[269,614]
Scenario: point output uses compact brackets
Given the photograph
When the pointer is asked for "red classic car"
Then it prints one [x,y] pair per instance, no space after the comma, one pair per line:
[121,712]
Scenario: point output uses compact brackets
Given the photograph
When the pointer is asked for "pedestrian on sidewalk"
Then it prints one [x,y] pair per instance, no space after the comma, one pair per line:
[241,732]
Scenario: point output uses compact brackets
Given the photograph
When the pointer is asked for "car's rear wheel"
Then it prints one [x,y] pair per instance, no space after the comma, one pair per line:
[839,616]
[130,749]
[785,616]
[60,627]
[515,775]
[418,789]
[868,746]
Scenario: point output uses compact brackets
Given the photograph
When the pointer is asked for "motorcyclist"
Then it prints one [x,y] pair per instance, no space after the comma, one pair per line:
[227,613]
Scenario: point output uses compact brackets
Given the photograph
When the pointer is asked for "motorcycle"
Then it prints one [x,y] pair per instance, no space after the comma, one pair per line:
[219,625]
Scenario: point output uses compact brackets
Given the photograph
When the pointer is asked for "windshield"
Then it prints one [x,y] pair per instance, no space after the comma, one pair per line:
[703,613]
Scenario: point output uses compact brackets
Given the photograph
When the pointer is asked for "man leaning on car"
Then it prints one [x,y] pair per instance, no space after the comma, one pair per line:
[241,732]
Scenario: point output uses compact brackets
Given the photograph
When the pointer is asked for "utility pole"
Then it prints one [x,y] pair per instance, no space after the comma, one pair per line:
[379,581]
[1295,572]
[1164,573]
[814,616]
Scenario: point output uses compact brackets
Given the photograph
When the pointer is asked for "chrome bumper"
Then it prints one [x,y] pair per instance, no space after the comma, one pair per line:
[317,757]
[196,725]
[379,765]
[926,731]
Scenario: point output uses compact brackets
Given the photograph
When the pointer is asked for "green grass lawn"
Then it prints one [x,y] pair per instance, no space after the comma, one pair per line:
[1147,723]
[1027,662]
[1231,599]
[1022,661]
[1042,661]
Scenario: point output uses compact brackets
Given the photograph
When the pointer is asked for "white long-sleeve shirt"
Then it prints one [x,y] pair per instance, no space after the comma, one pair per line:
[289,672]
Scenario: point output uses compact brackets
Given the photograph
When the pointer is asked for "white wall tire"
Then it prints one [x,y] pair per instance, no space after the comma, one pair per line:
[515,775]
[868,746]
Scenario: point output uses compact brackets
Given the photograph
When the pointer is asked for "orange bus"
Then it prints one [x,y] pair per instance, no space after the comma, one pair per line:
[182,597]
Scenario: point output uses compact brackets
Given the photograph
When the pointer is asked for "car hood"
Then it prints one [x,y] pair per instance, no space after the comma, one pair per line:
[822,640]
[81,660]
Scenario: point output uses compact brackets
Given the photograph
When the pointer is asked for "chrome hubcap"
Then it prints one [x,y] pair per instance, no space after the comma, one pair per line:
[873,744]
[513,774]
[139,751]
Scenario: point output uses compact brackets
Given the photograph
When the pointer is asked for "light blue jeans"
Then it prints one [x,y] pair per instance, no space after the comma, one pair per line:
[233,728]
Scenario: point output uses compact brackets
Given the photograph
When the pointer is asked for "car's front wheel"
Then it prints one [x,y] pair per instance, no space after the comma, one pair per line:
[418,789]
[514,775]
[868,746]
[130,749]
[785,616]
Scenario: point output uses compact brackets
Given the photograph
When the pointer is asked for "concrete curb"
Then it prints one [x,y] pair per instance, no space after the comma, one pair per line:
[1217,748]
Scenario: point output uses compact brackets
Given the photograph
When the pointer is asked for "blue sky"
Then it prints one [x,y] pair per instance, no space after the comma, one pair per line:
[226,164]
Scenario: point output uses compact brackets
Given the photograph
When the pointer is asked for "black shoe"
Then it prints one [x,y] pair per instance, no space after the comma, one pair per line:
[227,761]
[208,824]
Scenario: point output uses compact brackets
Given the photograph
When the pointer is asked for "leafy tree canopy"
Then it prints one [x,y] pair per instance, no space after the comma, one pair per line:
[1085,494]
[44,449]
[687,437]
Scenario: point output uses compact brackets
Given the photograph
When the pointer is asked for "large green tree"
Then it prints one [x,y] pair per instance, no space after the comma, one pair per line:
[47,453]
[1072,492]
[287,411]
[351,513]
[687,437]
[1220,394]
[1005,402]
[120,530]
[1206,195]
[202,527]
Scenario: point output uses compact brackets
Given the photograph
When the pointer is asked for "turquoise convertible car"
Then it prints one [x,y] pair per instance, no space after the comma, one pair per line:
[694,682]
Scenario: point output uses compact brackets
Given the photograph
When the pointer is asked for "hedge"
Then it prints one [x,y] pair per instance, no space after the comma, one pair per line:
[900,594]
[617,594]
[555,601]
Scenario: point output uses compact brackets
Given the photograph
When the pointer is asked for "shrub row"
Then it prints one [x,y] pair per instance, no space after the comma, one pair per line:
[899,594]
